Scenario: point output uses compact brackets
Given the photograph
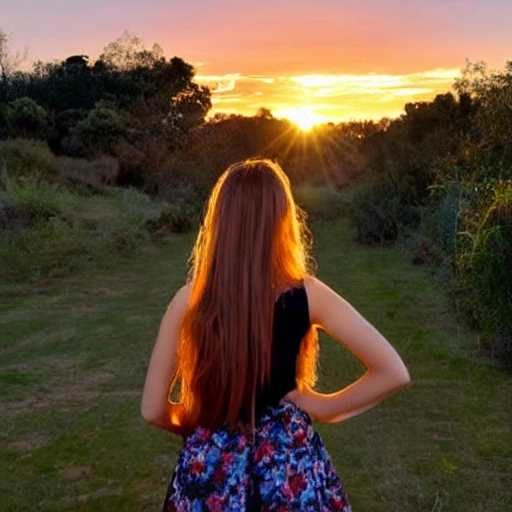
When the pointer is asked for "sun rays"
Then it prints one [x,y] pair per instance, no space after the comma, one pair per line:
[325,149]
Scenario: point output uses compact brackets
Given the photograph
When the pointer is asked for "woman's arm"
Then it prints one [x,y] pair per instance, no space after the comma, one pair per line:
[156,407]
[386,372]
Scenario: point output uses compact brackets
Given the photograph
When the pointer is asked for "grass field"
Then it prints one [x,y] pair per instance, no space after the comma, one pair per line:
[73,358]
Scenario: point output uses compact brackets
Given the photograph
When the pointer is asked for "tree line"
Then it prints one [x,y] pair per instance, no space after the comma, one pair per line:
[131,103]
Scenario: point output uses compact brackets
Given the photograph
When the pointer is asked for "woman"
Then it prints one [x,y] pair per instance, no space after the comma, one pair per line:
[241,340]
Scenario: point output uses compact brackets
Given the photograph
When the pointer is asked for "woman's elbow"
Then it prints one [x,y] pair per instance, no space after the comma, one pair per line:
[146,416]
[149,414]
[392,379]
[400,378]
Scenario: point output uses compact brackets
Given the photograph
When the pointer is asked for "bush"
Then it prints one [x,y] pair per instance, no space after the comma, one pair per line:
[27,119]
[88,175]
[384,207]
[32,197]
[434,243]
[180,173]
[21,157]
[441,221]
[175,218]
[482,260]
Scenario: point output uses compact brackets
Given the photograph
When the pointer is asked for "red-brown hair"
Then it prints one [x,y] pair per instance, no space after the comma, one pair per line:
[250,247]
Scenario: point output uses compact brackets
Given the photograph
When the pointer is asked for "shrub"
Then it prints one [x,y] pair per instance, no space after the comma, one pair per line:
[434,243]
[441,220]
[21,157]
[27,119]
[32,197]
[133,209]
[483,262]
[384,207]
[88,175]
[180,173]
[175,218]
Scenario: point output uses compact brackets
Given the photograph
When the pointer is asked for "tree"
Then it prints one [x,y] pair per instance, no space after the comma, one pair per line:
[160,99]
[132,102]
[9,62]
[491,95]
[127,53]
[100,132]
[27,119]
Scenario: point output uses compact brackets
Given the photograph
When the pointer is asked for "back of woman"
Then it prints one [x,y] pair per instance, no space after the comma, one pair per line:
[241,338]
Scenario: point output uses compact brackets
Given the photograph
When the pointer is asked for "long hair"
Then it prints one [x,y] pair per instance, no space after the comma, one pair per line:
[251,246]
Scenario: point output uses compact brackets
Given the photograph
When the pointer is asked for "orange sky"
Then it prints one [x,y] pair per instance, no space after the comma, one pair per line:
[330,97]
[337,59]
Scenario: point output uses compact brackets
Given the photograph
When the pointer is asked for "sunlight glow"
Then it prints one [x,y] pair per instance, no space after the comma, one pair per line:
[328,97]
[303,117]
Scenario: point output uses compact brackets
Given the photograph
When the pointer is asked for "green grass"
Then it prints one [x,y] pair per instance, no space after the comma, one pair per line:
[73,358]
[56,231]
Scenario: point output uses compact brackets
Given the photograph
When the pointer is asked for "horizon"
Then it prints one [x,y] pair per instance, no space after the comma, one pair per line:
[316,63]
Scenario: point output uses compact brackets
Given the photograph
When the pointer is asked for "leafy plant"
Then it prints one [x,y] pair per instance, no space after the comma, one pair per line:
[21,157]
[483,262]
[384,207]
[175,218]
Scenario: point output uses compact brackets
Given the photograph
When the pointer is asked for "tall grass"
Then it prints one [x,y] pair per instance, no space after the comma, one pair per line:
[484,261]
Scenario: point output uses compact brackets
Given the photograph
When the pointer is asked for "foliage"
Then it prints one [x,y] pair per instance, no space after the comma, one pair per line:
[46,230]
[401,167]
[483,262]
[179,217]
[100,132]
[131,103]
[330,155]
[440,175]
[383,207]
[34,198]
[25,119]
[9,63]
[443,219]
[128,53]
[492,92]
[21,157]
[46,249]
[87,176]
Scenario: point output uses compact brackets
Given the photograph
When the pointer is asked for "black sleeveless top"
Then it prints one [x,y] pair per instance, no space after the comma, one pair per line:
[291,323]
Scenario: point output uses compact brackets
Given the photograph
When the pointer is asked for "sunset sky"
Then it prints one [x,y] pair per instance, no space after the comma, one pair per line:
[333,60]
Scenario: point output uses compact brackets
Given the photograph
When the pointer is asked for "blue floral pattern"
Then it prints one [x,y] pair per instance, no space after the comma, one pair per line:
[280,466]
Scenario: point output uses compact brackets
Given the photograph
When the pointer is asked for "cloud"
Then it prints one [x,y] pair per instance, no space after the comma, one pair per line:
[219,83]
[334,97]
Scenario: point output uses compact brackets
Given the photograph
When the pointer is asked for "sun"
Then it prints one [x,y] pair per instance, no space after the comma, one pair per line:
[303,117]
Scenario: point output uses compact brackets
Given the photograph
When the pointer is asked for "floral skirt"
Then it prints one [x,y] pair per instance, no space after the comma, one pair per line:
[281,466]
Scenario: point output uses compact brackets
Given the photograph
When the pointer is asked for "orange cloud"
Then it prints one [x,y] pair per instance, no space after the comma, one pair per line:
[328,97]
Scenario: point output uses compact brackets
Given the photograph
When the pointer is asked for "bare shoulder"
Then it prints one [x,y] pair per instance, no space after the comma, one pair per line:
[311,283]
[180,300]
[320,297]
[183,294]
